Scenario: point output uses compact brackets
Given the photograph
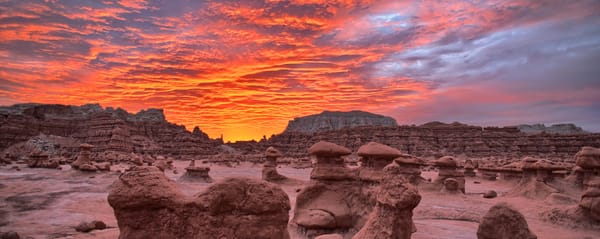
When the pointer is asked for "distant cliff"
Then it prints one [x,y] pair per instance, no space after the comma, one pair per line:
[554,129]
[107,129]
[336,120]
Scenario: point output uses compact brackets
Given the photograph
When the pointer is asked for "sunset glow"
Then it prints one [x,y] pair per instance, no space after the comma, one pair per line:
[243,69]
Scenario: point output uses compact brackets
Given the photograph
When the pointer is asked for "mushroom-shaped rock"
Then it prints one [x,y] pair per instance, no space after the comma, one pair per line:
[149,205]
[377,150]
[410,167]
[329,165]
[374,157]
[269,170]
[544,170]
[392,216]
[447,166]
[272,152]
[196,174]
[504,222]
[327,149]
[469,167]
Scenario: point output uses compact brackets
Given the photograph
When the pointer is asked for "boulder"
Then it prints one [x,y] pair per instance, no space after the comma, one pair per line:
[504,222]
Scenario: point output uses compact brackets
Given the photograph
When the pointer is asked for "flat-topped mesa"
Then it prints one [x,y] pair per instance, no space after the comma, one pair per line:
[374,157]
[448,169]
[410,168]
[588,158]
[392,215]
[330,165]
[269,170]
[331,120]
[195,173]
[147,204]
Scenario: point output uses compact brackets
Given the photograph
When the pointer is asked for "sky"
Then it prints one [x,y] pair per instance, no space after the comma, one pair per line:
[244,69]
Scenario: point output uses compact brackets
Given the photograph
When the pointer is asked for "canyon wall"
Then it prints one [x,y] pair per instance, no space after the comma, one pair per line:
[437,139]
[107,129]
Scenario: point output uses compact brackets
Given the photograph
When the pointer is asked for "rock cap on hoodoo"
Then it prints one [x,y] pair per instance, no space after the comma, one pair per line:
[408,159]
[446,161]
[374,149]
[273,152]
[529,163]
[324,148]
[547,165]
[86,146]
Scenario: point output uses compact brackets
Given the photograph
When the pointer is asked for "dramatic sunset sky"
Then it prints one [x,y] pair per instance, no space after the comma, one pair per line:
[243,69]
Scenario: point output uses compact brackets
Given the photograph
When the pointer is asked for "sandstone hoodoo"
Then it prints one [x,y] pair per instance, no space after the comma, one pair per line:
[410,168]
[590,200]
[269,171]
[195,173]
[149,205]
[530,185]
[330,165]
[83,157]
[374,157]
[392,216]
[504,222]
[448,169]
[588,159]
[333,120]
[335,201]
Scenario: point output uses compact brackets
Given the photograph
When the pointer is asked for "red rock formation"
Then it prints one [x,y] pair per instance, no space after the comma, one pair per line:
[108,129]
[269,171]
[148,205]
[434,139]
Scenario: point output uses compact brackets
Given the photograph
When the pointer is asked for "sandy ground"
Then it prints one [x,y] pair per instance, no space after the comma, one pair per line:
[46,203]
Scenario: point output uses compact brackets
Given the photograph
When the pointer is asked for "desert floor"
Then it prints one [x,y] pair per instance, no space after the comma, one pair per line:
[48,203]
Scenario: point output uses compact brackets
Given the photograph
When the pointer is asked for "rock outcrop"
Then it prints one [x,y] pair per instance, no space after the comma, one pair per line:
[504,222]
[335,120]
[149,205]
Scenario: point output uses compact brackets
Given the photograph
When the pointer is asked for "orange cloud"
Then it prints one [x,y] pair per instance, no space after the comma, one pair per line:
[243,69]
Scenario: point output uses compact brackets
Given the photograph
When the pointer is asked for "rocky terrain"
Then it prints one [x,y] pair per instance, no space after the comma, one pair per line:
[59,129]
[336,120]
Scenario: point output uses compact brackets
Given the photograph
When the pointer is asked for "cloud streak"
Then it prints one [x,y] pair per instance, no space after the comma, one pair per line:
[245,69]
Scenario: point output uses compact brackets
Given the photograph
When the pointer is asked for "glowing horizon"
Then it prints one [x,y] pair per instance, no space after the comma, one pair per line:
[245,69]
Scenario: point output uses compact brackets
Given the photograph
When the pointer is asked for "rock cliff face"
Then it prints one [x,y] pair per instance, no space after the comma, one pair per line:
[438,139]
[107,129]
[334,120]
[554,129]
